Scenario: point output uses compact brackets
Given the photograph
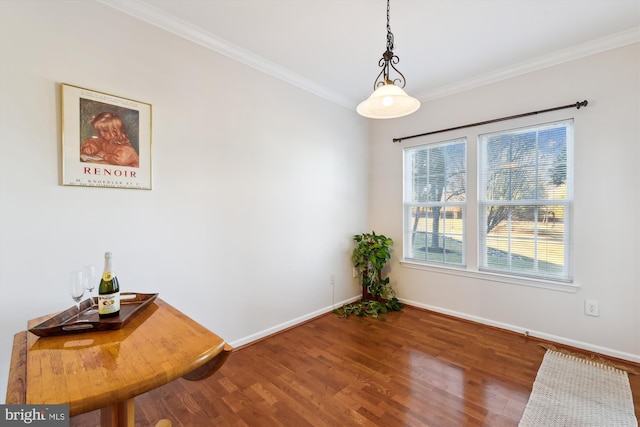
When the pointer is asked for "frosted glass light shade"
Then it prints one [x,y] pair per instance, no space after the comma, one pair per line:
[387,102]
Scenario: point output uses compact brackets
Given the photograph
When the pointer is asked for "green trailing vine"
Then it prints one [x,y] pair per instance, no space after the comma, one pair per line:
[375,309]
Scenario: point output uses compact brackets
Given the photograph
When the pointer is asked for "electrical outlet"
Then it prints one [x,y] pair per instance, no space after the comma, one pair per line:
[332,279]
[354,272]
[592,307]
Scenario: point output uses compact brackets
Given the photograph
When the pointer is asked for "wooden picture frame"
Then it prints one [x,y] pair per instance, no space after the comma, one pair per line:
[106,140]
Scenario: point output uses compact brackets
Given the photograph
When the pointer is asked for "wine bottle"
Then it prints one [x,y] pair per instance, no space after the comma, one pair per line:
[108,291]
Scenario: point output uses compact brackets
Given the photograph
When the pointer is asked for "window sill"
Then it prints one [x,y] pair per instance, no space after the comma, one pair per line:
[492,277]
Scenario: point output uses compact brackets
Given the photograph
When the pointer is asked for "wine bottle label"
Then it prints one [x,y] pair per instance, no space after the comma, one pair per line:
[109,303]
[107,276]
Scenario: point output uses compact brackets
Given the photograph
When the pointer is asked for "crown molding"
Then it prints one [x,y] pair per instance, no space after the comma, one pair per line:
[154,16]
[593,47]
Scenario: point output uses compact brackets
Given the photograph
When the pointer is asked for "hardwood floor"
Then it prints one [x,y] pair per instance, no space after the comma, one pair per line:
[417,368]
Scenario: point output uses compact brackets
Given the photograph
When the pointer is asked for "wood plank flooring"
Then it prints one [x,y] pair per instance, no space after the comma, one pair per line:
[417,368]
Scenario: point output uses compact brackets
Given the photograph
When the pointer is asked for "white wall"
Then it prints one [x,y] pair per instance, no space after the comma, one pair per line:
[607,154]
[258,186]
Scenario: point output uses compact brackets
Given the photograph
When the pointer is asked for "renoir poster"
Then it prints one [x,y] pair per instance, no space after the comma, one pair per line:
[106,140]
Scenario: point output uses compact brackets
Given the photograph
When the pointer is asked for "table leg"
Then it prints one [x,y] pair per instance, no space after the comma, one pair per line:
[119,414]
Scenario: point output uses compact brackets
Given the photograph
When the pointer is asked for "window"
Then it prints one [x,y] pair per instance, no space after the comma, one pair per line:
[435,202]
[525,197]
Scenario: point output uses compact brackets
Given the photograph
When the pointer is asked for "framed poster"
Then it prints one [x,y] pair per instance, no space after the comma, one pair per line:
[106,140]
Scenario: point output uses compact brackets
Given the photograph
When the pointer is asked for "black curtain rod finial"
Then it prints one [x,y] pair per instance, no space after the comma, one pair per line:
[576,105]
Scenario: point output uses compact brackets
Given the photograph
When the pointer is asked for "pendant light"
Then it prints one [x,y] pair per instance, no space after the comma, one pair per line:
[388,100]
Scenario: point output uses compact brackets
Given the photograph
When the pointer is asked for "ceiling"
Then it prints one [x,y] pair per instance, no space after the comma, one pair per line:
[332,47]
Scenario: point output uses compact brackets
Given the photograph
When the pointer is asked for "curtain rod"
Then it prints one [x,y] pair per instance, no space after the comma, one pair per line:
[576,105]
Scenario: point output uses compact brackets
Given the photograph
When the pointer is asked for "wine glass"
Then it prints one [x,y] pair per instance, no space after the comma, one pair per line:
[76,287]
[90,279]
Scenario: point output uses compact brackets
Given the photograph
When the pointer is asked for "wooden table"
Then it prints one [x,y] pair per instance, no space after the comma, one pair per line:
[106,370]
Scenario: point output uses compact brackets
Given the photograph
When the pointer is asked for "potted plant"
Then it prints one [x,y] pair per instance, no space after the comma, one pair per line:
[371,254]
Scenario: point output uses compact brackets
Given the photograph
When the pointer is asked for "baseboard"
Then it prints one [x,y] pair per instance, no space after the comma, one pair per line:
[525,331]
[518,329]
[289,324]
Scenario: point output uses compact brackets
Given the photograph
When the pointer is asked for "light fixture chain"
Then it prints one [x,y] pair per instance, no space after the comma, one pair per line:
[389,33]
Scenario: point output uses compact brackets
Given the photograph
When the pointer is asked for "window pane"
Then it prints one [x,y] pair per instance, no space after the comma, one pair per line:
[550,244]
[456,172]
[513,170]
[553,163]
[437,174]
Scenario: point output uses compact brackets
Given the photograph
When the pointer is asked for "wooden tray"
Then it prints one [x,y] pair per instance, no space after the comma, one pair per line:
[69,322]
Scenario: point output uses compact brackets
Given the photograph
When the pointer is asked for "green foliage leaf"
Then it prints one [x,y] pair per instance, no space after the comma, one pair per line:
[374,309]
